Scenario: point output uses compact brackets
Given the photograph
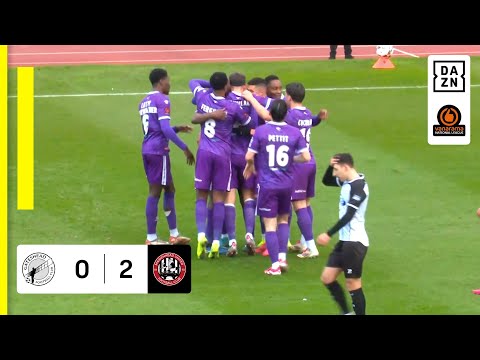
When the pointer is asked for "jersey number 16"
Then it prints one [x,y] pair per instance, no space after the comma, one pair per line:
[277,157]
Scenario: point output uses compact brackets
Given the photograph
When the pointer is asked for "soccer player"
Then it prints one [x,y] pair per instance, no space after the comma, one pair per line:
[246,188]
[258,86]
[213,167]
[349,253]
[274,87]
[154,112]
[277,146]
[304,181]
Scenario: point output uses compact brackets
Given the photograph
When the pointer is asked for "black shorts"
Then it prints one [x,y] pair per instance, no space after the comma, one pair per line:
[349,256]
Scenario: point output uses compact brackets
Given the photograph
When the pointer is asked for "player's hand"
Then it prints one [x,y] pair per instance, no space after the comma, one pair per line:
[323,114]
[333,161]
[189,156]
[219,115]
[247,95]
[323,239]
[184,128]
[248,171]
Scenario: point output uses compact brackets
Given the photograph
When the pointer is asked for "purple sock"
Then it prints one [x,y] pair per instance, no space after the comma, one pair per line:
[290,216]
[305,223]
[249,215]
[209,231]
[151,212]
[169,208]
[262,226]
[218,218]
[310,212]
[230,221]
[283,233]
[272,245]
[224,227]
[201,214]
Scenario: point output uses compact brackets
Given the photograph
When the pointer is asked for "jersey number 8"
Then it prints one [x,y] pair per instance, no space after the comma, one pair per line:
[209,129]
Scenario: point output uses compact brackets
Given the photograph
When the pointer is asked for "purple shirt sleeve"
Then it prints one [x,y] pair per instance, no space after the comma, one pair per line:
[196,84]
[254,144]
[171,135]
[316,120]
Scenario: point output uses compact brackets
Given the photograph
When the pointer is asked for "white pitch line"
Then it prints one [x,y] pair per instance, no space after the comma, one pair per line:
[355,88]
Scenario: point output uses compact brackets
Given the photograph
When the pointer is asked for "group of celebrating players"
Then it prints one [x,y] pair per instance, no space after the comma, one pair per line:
[272,168]
[254,140]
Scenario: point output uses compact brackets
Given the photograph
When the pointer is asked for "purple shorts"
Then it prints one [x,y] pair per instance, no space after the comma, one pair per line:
[238,181]
[273,202]
[157,169]
[304,181]
[212,172]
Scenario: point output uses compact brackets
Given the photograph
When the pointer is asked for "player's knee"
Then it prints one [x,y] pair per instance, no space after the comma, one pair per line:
[326,278]
[353,284]
[170,188]
[155,190]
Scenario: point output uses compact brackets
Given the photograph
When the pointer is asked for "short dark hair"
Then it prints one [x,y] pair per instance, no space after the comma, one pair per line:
[296,90]
[218,80]
[257,81]
[344,159]
[270,78]
[157,74]
[278,110]
[237,79]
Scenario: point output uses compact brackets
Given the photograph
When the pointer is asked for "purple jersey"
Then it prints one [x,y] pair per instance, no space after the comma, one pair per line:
[275,145]
[301,118]
[154,108]
[240,142]
[216,135]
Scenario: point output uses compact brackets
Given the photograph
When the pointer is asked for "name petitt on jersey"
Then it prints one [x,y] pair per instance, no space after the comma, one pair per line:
[278,138]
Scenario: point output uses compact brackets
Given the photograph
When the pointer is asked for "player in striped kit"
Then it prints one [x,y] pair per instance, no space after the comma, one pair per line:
[349,252]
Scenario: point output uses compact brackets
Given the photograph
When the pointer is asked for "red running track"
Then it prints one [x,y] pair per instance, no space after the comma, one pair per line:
[50,55]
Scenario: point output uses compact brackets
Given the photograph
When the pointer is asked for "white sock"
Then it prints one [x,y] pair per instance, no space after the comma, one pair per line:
[174,232]
[303,242]
[232,242]
[282,256]
[311,245]
[275,265]
[151,237]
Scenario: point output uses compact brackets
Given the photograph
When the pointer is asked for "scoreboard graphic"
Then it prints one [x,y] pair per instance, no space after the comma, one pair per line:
[103,269]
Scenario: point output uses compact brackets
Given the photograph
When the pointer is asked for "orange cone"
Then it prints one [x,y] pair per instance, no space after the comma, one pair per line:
[383,62]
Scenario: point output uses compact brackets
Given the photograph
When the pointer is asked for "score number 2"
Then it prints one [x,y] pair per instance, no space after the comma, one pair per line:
[82,269]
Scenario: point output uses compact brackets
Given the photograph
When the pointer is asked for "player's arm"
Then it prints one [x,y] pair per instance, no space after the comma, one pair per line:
[303,156]
[261,111]
[322,115]
[253,148]
[242,117]
[328,178]
[170,134]
[357,196]
[197,86]
[200,118]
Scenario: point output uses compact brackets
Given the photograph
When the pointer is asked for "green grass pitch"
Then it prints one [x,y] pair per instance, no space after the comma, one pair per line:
[90,189]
